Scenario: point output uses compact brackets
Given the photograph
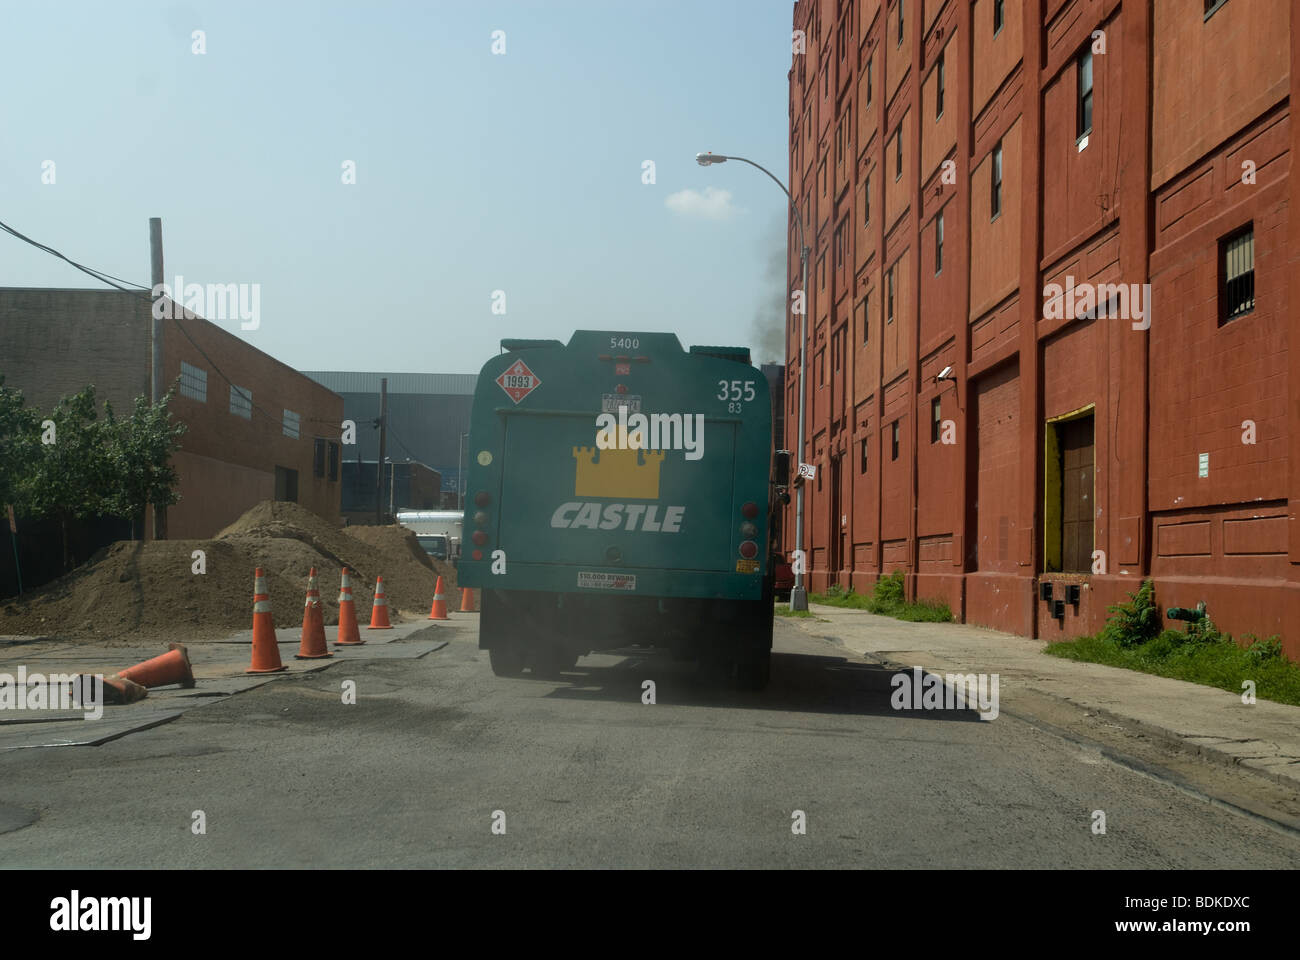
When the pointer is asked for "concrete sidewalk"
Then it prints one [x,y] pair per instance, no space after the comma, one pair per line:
[219,672]
[1263,737]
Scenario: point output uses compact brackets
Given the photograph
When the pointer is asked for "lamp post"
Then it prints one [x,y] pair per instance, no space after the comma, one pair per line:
[798,595]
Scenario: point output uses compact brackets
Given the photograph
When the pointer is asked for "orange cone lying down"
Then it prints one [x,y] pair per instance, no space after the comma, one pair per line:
[162,671]
[266,654]
[114,690]
[349,635]
[439,610]
[312,646]
[379,612]
[466,600]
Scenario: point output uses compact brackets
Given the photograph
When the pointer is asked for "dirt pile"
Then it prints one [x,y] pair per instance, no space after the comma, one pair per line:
[135,591]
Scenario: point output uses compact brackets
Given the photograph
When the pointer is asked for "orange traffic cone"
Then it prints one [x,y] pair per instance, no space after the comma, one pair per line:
[312,646]
[114,689]
[379,612]
[439,609]
[162,671]
[266,654]
[349,635]
[466,600]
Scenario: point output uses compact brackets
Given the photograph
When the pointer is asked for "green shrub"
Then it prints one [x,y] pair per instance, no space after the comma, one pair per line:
[1135,622]
[1263,651]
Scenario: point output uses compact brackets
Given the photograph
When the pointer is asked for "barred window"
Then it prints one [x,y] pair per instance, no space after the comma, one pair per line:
[291,423]
[241,402]
[194,382]
[1237,275]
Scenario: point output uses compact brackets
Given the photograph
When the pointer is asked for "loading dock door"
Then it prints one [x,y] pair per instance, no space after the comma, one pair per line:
[1076,450]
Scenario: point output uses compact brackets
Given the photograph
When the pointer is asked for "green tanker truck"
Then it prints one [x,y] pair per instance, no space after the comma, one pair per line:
[620,492]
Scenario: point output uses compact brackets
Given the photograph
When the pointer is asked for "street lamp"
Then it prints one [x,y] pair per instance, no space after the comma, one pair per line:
[798,595]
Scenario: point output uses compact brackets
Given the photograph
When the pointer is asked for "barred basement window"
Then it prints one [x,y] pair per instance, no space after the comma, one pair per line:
[241,402]
[1237,275]
[194,382]
[290,424]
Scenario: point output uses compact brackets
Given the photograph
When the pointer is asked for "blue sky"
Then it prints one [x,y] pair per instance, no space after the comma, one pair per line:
[475,172]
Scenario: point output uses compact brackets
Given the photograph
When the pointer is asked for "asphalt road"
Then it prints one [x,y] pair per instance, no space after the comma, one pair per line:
[586,775]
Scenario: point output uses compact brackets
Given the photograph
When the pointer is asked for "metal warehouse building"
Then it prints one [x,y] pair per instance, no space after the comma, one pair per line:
[428,414]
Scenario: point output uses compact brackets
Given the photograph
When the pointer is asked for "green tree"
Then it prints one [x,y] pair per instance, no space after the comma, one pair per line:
[72,475]
[18,440]
[140,449]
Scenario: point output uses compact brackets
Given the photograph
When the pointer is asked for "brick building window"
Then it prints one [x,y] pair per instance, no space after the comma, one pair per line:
[866,202]
[862,461]
[893,442]
[995,184]
[241,402]
[333,460]
[898,153]
[1237,275]
[870,60]
[938,88]
[194,383]
[938,244]
[821,367]
[1211,6]
[1083,111]
[821,271]
[889,295]
[866,319]
[999,16]
[318,458]
[900,23]
[841,243]
[290,424]
[821,171]
[935,421]
[839,143]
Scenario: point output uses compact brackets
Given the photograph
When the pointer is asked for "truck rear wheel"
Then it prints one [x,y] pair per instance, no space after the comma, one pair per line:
[507,659]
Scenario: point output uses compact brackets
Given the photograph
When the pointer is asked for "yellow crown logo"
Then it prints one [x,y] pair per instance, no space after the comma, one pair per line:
[617,473]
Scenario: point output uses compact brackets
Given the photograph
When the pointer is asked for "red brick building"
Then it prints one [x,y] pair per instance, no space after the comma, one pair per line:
[267,432]
[974,178]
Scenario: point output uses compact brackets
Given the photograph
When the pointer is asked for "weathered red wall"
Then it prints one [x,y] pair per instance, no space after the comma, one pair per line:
[1179,104]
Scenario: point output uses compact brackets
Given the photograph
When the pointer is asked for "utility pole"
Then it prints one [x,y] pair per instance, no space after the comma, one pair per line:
[156,349]
[383,450]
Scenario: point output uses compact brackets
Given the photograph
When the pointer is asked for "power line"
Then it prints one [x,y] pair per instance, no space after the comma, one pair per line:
[108,278]
[97,274]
